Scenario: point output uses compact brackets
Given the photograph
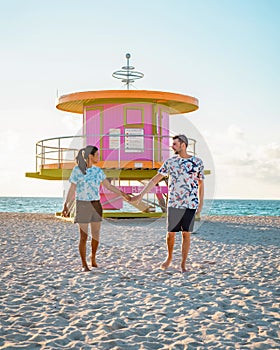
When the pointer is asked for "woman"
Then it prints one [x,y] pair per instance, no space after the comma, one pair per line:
[85,182]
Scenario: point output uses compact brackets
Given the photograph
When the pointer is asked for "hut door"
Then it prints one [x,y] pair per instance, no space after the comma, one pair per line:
[94,128]
[159,131]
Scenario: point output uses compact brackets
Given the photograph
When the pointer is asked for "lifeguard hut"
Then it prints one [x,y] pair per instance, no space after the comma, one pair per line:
[131,130]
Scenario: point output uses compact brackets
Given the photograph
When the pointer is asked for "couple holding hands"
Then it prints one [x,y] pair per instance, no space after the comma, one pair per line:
[185,197]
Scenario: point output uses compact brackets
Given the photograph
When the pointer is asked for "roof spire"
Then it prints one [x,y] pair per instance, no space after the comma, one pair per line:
[127,73]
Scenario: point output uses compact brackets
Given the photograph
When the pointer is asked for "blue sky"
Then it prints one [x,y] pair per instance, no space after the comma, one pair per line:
[226,53]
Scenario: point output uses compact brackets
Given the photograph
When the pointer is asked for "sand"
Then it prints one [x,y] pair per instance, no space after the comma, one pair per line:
[228,300]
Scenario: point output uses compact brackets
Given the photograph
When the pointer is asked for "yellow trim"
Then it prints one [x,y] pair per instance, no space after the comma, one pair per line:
[119,214]
[160,130]
[84,126]
[101,125]
[154,122]
[138,125]
[162,109]
[155,133]
[93,108]
[121,174]
[51,174]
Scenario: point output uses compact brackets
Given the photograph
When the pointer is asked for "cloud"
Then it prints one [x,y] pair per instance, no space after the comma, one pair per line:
[235,133]
[261,161]
[267,162]
[72,123]
[271,150]
[10,147]
[9,140]
[236,154]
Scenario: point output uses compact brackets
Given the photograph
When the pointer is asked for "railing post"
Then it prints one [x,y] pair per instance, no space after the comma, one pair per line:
[119,154]
[36,157]
[42,155]
[59,154]
[153,150]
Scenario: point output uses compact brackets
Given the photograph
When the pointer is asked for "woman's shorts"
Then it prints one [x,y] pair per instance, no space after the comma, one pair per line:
[180,219]
[88,211]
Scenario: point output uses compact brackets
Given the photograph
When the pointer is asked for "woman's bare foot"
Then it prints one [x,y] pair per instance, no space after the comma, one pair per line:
[85,269]
[165,264]
[93,262]
[184,269]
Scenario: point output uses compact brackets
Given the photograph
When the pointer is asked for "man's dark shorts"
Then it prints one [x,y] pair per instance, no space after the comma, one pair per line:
[180,219]
[88,211]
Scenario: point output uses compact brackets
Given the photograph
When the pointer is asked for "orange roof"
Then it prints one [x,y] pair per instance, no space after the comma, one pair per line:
[177,103]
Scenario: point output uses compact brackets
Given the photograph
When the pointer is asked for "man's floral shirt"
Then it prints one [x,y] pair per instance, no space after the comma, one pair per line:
[184,174]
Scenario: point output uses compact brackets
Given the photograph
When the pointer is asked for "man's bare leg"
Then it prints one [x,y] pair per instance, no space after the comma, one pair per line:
[170,241]
[95,232]
[83,246]
[186,242]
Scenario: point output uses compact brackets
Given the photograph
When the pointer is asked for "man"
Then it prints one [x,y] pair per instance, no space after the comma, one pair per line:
[185,195]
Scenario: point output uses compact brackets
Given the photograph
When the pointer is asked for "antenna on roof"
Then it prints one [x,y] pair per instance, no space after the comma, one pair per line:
[127,74]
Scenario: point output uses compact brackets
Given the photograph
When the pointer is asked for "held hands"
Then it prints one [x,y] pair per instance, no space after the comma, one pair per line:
[136,198]
[131,198]
[126,196]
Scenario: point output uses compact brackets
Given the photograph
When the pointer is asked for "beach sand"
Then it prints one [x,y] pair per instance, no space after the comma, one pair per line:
[228,300]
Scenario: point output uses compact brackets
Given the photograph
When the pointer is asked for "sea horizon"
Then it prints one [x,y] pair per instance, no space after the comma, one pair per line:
[218,198]
[233,207]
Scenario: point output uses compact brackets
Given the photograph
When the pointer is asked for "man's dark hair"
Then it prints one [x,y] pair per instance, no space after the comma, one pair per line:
[182,139]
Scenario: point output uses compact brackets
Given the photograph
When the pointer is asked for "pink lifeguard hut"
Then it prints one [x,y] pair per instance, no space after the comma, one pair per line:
[131,130]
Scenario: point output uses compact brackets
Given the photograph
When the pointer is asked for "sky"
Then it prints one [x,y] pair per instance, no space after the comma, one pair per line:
[226,53]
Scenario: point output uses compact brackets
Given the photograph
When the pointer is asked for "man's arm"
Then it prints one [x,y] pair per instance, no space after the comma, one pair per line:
[200,196]
[155,180]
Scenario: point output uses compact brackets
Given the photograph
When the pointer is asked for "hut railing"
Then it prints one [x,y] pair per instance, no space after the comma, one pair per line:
[61,150]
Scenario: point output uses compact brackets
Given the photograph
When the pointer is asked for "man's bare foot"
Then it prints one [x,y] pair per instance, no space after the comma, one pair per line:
[85,269]
[93,264]
[165,264]
[184,269]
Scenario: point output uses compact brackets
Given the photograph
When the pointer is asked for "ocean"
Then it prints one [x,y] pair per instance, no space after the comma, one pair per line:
[233,207]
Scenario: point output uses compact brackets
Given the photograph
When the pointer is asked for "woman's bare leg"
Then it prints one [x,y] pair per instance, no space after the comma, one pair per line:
[83,245]
[95,232]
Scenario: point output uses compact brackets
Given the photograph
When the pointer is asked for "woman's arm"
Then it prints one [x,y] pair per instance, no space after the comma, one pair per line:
[114,189]
[69,199]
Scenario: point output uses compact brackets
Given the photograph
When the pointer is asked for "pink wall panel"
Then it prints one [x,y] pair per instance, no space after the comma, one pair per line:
[133,116]
[165,133]
[93,127]
[114,118]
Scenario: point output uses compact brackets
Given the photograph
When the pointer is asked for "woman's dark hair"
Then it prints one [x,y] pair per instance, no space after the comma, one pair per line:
[82,157]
